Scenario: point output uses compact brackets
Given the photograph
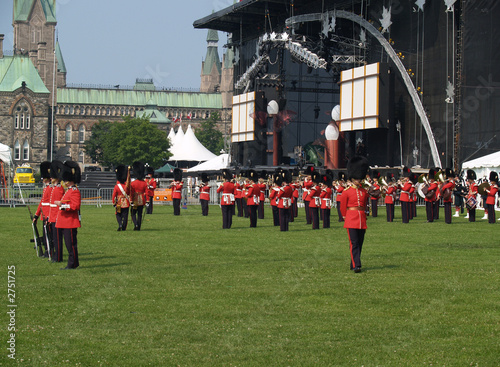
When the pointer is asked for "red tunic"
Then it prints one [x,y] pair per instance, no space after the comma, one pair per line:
[472,190]
[490,199]
[433,186]
[253,195]
[262,187]
[44,206]
[285,197]
[306,187]
[56,195]
[118,197]
[151,186]
[273,195]
[313,197]
[205,192]
[340,189]
[389,198]
[227,189]
[176,189]
[69,211]
[405,191]
[237,191]
[326,198]
[356,198]
[138,190]
[450,186]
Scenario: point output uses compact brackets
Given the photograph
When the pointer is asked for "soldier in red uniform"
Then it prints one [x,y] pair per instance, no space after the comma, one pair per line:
[262,196]
[430,197]
[374,192]
[150,186]
[44,208]
[326,199]
[295,198]
[404,196]
[314,199]
[306,188]
[204,194]
[253,197]
[138,194]
[285,200]
[273,196]
[227,199]
[238,198]
[390,193]
[339,189]
[471,195]
[121,196]
[490,199]
[447,191]
[68,219]
[176,187]
[353,206]
[56,168]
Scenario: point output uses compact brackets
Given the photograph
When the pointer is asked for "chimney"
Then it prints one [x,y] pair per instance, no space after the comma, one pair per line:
[1,45]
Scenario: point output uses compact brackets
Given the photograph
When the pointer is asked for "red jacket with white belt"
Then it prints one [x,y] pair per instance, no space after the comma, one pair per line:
[355,198]
[69,211]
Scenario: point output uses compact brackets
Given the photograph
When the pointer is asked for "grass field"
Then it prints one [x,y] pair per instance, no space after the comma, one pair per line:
[184,292]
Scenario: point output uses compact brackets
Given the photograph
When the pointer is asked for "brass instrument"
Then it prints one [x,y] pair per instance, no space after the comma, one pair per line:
[382,181]
[439,176]
[423,179]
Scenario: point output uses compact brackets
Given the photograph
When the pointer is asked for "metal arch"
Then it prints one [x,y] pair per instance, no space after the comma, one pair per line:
[390,51]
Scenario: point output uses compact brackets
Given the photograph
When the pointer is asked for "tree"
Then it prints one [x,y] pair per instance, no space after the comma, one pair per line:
[134,139]
[209,136]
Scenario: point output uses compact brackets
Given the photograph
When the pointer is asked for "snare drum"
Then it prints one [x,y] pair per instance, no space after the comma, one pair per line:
[471,203]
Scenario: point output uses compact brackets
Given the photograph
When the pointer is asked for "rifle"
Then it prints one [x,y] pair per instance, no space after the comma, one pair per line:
[36,236]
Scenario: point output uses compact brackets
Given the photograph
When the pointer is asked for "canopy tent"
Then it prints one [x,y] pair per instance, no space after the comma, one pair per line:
[186,147]
[5,155]
[484,165]
[214,164]
[165,169]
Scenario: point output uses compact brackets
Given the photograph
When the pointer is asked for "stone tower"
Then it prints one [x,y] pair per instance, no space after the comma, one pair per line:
[211,68]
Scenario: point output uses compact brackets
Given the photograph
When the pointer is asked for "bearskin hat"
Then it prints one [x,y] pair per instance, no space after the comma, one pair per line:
[449,173]
[204,178]
[45,170]
[341,176]
[177,174]
[357,167]
[432,173]
[278,178]
[149,170]
[471,174]
[137,170]
[493,176]
[414,177]
[406,172]
[252,175]
[375,175]
[121,173]
[226,174]
[326,179]
[287,176]
[71,172]
[309,170]
[56,168]
[316,177]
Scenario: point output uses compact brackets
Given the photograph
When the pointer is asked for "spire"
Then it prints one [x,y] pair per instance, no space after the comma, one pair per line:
[22,10]
[61,67]
[212,57]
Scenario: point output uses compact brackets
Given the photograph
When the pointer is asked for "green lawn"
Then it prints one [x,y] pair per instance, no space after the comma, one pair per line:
[184,292]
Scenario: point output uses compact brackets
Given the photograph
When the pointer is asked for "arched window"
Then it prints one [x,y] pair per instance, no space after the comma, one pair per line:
[81,133]
[26,150]
[21,123]
[68,133]
[16,121]
[17,150]
[66,110]
[28,121]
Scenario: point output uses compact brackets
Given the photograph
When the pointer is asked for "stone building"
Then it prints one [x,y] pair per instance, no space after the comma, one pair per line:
[26,87]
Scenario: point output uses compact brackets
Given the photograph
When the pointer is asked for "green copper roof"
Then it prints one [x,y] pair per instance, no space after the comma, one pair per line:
[138,98]
[155,116]
[212,57]
[14,70]
[22,9]
[212,36]
[61,66]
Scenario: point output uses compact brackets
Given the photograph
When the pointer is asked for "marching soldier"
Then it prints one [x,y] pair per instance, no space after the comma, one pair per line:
[306,187]
[285,200]
[227,199]
[138,194]
[413,195]
[121,196]
[390,193]
[471,195]
[339,188]
[326,199]
[430,199]
[314,199]
[68,219]
[273,196]
[353,206]
[262,196]
[44,208]
[204,194]
[176,186]
[490,200]
[56,168]
[295,198]
[253,197]
[150,186]
[404,196]
[447,190]
[238,198]
[374,192]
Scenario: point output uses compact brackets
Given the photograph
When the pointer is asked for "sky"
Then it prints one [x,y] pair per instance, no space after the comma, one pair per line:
[110,42]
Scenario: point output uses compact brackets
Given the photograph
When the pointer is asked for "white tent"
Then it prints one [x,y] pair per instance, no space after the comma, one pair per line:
[214,164]
[5,155]
[484,165]
[186,147]
[176,140]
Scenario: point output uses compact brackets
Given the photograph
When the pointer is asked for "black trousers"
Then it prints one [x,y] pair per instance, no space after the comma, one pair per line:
[70,239]
[239,205]
[246,209]
[122,218]
[472,215]
[308,212]
[177,206]
[253,215]
[227,216]
[374,207]
[204,207]
[491,213]
[436,209]
[389,209]
[341,219]
[295,208]
[405,211]
[447,212]
[150,206]
[57,243]
[414,208]
[356,239]
[276,215]
[136,215]
[429,210]
[261,209]
[326,217]
[315,217]
[284,215]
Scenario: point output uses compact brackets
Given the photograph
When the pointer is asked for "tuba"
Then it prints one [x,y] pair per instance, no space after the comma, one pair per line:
[439,176]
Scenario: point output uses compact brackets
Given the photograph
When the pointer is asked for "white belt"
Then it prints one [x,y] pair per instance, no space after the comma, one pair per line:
[53,205]
[46,204]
